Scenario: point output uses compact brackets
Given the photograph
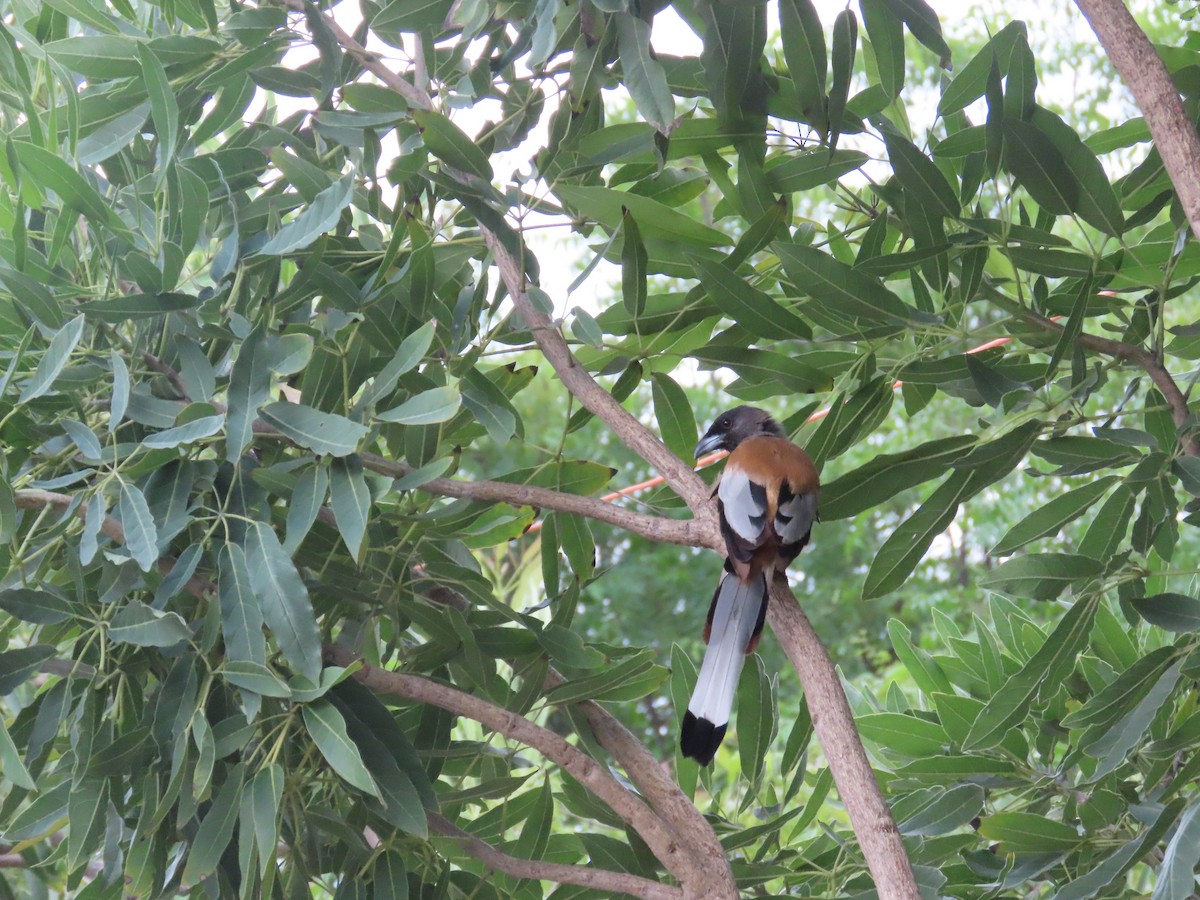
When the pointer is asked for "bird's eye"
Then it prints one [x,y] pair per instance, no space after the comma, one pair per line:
[723,424]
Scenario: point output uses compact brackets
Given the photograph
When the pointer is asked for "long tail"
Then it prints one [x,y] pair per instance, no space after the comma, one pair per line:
[734,623]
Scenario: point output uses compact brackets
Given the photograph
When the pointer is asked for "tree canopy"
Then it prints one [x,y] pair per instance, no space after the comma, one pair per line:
[311,582]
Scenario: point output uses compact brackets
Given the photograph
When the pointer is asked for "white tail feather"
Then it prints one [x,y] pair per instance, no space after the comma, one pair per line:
[738,607]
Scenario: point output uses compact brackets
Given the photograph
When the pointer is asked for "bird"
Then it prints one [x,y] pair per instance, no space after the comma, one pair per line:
[767,504]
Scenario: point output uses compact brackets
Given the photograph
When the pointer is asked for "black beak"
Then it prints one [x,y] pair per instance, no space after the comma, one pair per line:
[708,444]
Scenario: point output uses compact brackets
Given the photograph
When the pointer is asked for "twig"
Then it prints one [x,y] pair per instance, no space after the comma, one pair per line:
[833,723]
[585,876]
[167,372]
[577,764]
[1143,359]
[587,390]
[1156,95]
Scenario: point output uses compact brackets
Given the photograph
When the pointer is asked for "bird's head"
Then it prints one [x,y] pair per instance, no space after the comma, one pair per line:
[736,425]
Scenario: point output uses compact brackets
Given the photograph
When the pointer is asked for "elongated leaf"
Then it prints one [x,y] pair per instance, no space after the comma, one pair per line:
[953,809]
[645,78]
[1040,167]
[145,626]
[803,41]
[351,501]
[1171,612]
[307,499]
[241,617]
[923,22]
[141,534]
[315,220]
[903,733]
[756,721]
[249,384]
[51,171]
[320,432]
[813,168]
[886,32]
[54,360]
[258,817]
[1176,874]
[284,600]
[216,829]
[920,175]
[451,145]
[1124,692]
[164,108]
[1041,576]
[885,476]
[924,670]
[845,44]
[40,607]
[633,266]
[746,304]
[327,728]
[1049,665]
[1098,203]
[188,433]
[971,80]
[845,290]
[12,766]
[1019,831]
[905,546]
[1051,518]
[1122,859]
[676,421]
[654,218]
[408,356]
[427,408]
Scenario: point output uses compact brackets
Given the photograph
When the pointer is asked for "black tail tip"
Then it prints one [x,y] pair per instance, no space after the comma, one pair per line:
[700,738]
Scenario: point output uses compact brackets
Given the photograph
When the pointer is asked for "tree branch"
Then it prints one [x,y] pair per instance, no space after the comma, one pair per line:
[660,791]
[535,870]
[833,723]
[1143,359]
[685,532]
[680,476]
[577,764]
[1156,95]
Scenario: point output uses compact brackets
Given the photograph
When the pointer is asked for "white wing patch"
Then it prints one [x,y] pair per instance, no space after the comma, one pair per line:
[745,504]
[794,519]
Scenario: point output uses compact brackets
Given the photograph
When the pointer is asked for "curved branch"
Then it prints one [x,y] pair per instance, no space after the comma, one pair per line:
[680,476]
[1156,95]
[577,764]
[685,532]
[660,791]
[1144,360]
[536,870]
[833,722]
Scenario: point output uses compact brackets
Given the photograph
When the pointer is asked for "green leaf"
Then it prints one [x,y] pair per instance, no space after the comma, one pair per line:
[351,502]
[284,600]
[241,617]
[577,542]
[52,172]
[633,266]
[756,719]
[321,432]
[923,22]
[164,109]
[451,145]
[923,668]
[255,677]
[676,421]
[1020,831]
[1098,204]
[144,626]
[1113,701]
[407,357]
[53,360]
[632,678]
[645,78]
[389,877]
[803,41]
[654,218]
[316,219]
[138,306]
[412,17]
[427,408]
[920,175]
[903,734]
[1040,167]
[1122,859]
[249,386]
[258,818]
[1041,576]
[971,80]
[845,43]
[887,475]
[141,534]
[886,33]
[952,810]
[1171,612]
[327,728]
[37,606]
[216,829]
[751,308]
[845,290]
[907,544]
[1051,518]
[765,367]
[188,433]
[1049,665]
[1176,879]
[812,168]
[1021,84]
[12,767]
